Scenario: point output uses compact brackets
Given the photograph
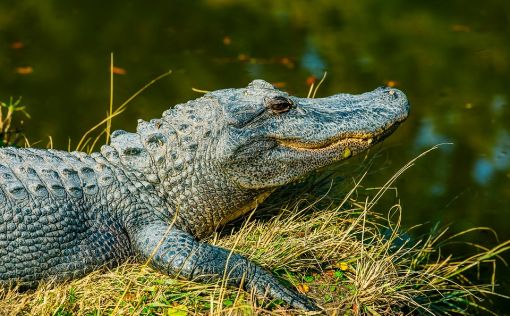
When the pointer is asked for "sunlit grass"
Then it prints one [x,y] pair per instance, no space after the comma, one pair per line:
[8,110]
[87,142]
[312,91]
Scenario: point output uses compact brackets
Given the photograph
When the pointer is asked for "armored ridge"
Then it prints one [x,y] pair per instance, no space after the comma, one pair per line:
[155,193]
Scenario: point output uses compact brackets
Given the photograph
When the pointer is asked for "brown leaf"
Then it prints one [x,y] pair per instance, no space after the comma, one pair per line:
[227,40]
[310,80]
[279,84]
[26,70]
[303,288]
[287,62]
[243,57]
[391,83]
[17,45]
[119,71]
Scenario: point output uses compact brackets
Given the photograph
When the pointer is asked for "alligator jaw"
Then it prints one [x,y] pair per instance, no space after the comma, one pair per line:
[341,141]
[330,146]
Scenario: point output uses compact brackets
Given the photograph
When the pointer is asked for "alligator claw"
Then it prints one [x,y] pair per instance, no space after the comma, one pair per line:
[302,302]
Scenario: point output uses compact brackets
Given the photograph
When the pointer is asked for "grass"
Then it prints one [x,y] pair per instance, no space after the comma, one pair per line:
[9,135]
[87,142]
[350,256]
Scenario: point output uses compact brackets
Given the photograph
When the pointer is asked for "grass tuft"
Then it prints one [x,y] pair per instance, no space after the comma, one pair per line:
[11,136]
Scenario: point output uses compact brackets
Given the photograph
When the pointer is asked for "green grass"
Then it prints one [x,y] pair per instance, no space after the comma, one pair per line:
[10,135]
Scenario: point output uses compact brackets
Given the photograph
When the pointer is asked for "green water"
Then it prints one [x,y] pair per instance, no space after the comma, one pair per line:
[451,58]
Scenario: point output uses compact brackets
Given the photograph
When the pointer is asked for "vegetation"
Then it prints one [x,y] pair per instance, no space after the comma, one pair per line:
[10,136]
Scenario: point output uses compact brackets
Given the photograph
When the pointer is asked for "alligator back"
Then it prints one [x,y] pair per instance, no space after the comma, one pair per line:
[55,220]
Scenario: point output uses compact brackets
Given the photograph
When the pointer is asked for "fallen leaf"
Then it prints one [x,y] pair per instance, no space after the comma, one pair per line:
[119,71]
[355,308]
[303,288]
[227,40]
[310,80]
[17,45]
[129,297]
[279,84]
[26,70]
[287,62]
[391,83]
[243,57]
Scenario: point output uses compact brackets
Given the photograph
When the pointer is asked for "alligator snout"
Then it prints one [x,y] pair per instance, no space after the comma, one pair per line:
[395,100]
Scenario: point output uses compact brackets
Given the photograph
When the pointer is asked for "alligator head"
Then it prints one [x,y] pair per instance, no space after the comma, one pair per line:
[216,157]
[272,138]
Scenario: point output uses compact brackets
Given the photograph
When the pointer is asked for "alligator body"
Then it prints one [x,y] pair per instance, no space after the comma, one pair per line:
[153,194]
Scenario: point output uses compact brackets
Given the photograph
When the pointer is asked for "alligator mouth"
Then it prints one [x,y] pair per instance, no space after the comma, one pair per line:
[342,140]
[325,145]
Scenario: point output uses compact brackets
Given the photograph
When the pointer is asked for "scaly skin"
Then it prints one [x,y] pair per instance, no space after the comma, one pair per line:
[155,193]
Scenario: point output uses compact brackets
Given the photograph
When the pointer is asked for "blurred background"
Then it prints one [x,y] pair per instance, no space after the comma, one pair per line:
[451,59]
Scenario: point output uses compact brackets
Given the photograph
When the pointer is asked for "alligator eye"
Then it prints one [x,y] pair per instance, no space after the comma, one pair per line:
[279,104]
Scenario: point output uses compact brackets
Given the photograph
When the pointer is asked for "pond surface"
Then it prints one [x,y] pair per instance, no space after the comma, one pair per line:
[451,59]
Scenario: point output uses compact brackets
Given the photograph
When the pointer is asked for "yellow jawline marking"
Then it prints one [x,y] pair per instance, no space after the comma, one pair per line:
[303,146]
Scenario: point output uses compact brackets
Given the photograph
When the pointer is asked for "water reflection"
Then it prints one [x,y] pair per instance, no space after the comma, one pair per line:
[498,103]
[497,162]
[428,137]
[483,171]
[501,151]
[312,62]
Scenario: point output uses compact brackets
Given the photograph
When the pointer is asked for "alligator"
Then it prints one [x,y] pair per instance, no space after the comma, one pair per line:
[154,194]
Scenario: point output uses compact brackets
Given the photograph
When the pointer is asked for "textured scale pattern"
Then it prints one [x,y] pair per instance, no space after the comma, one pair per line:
[153,194]
[53,220]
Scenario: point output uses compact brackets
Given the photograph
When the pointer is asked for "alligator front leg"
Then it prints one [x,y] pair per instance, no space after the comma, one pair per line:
[178,253]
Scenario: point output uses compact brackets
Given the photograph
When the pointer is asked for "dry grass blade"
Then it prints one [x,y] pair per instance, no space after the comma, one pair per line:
[312,91]
[113,113]
[110,109]
[319,84]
